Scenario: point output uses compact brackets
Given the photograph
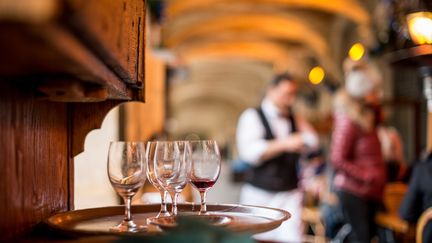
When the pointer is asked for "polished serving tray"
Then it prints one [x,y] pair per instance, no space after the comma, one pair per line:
[244,218]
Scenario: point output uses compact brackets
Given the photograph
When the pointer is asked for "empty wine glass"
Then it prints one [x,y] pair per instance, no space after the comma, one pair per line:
[205,167]
[171,168]
[151,176]
[126,172]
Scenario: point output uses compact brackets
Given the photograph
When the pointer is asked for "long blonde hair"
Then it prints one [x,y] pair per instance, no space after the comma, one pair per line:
[355,109]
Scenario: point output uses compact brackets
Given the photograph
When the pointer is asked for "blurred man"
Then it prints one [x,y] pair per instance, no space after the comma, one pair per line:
[271,139]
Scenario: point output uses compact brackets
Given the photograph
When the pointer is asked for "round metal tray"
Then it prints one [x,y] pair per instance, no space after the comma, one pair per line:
[245,218]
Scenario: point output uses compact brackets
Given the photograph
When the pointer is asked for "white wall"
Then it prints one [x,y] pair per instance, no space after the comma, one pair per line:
[92,187]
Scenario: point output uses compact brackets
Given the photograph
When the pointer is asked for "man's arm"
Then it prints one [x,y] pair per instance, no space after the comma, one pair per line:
[252,146]
[308,133]
[293,143]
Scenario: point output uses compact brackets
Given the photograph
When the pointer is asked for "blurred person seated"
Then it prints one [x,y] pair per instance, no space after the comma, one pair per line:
[331,211]
[418,198]
[392,151]
[316,180]
[312,178]
[313,183]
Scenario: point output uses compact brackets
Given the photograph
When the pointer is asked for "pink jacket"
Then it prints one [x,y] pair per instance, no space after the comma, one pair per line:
[356,157]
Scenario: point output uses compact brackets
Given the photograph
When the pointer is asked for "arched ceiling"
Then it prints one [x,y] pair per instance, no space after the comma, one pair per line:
[260,24]
[282,58]
[286,35]
[200,86]
[200,25]
[350,9]
[251,35]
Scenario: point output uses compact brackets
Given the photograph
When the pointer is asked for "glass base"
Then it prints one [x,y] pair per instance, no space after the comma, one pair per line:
[128,226]
[171,221]
[159,215]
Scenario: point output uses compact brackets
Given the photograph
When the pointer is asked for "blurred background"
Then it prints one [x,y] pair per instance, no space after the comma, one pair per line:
[208,60]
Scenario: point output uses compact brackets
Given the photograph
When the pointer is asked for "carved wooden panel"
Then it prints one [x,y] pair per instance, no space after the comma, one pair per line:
[85,118]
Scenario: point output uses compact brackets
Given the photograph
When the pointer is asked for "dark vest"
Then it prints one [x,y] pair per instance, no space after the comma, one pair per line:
[278,173]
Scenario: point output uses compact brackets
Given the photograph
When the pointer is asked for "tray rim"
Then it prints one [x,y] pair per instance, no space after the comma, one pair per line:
[79,232]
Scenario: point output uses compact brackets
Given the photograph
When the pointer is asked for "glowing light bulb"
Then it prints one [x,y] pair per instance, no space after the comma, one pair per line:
[356,51]
[316,75]
[420,27]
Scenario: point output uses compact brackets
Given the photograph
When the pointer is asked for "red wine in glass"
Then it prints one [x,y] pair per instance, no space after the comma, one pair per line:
[203,184]
[205,164]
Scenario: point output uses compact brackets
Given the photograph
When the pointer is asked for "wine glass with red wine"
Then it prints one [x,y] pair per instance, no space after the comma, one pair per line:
[127,174]
[205,167]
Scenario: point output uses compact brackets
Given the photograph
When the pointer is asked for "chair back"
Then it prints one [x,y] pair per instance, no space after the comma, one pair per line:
[425,217]
[393,195]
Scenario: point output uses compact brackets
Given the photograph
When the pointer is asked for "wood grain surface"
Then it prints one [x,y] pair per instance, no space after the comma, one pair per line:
[49,53]
[117,36]
[34,161]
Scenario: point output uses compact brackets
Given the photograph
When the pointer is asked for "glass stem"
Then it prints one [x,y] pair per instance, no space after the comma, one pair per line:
[203,209]
[163,209]
[174,196]
[127,201]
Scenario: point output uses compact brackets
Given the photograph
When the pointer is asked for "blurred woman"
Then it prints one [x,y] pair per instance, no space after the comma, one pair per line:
[360,173]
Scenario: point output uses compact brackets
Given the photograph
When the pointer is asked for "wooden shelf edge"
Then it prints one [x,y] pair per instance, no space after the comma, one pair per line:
[68,45]
[50,57]
[414,56]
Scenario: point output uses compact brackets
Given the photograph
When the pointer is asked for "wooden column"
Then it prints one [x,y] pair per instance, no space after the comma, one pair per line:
[34,161]
[147,119]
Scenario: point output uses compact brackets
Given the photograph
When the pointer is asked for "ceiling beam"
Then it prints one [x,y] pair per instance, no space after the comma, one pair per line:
[351,9]
[277,26]
[274,53]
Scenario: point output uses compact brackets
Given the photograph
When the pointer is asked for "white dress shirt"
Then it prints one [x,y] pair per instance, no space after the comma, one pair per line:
[251,143]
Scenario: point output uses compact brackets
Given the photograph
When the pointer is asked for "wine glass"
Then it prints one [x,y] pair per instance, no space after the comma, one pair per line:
[126,172]
[151,176]
[205,167]
[171,168]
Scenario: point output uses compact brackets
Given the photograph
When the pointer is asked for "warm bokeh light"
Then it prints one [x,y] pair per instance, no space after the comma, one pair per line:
[316,75]
[420,27]
[356,51]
